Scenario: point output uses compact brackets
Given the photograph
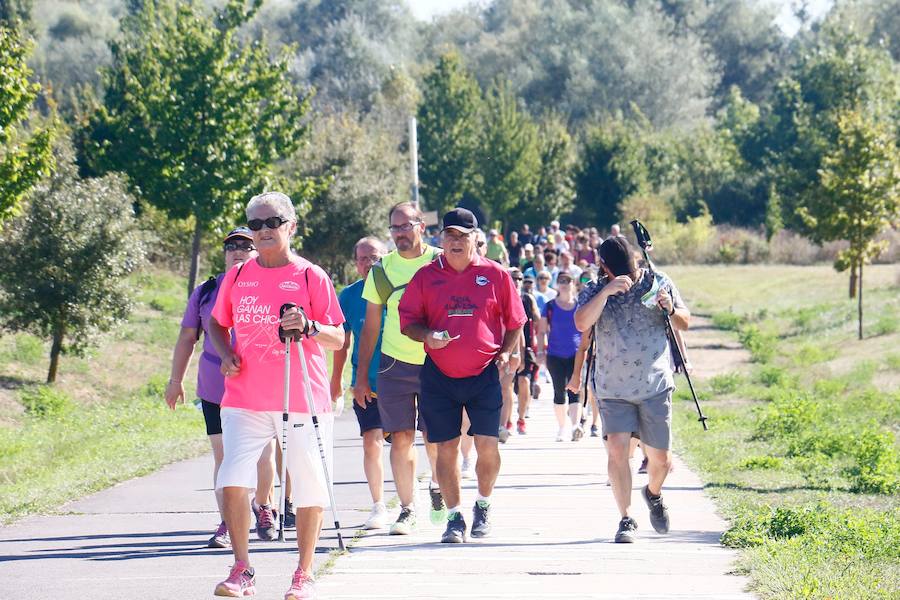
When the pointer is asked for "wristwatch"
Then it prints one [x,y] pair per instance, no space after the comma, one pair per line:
[312,329]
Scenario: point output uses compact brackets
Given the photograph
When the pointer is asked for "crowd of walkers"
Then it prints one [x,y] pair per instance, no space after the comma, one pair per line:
[449,333]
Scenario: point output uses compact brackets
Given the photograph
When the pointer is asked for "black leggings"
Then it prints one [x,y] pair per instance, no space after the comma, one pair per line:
[561,370]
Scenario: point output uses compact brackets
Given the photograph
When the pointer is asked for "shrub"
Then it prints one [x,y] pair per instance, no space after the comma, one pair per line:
[736,245]
[813,353]
[886,324]
[761,345]
[754,463]
[728,321]
[788,415]
[725,383]
[44,401]
[772,376]
[877,468]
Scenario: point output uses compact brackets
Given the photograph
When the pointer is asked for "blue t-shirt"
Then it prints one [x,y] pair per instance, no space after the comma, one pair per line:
[354,308]
[564,337]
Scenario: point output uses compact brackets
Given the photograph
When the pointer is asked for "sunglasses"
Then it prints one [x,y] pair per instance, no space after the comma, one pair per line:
[271,223]
[563,280]
[406,227]
[239,246]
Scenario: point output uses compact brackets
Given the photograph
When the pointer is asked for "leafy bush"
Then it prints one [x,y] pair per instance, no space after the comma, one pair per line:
[892,361]
[877,468]
[754,463]
[813,353]
[760,345]
[44,401]
[728,321]
[726,383]
[772,376]
[788,415]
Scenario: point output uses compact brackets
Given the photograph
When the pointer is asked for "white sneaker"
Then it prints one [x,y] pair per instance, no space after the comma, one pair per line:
[503,435]
[562,436]
[377,518]
[467,470]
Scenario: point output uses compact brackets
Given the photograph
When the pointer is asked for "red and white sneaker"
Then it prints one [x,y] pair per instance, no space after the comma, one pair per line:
[302,587]
[241,582]
[520,426]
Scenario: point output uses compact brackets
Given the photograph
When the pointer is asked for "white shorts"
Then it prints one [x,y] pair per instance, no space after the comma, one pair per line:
[246,432]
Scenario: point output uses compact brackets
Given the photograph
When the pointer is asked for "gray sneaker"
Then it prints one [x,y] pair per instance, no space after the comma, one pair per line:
[659,514]
[627,532]
[481,519]
[405,523]
[266,530]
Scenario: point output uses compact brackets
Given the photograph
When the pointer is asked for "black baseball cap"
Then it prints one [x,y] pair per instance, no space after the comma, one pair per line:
[460,219]
[239,232]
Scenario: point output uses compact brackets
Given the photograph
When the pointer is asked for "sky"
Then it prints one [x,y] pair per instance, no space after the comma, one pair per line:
[426,9]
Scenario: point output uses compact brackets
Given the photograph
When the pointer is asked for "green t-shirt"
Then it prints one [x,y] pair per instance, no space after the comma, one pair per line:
[495,250]
[399,270]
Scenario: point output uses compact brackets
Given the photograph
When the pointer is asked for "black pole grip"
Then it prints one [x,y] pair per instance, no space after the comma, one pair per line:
[295,333]
[642,235]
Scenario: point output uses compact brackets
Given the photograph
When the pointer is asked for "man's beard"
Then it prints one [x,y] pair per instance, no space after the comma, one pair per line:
[404,243]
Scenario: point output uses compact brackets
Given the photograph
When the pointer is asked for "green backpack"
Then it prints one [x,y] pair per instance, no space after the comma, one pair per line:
[383,286]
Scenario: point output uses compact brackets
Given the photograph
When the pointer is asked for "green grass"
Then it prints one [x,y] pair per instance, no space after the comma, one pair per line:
[104,420]
[802,455]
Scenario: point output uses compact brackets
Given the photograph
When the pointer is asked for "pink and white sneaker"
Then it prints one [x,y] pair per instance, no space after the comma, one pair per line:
[241,582]
[302,587]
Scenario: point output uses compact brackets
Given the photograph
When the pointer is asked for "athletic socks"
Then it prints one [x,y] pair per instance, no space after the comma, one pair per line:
[485,500]
[453,511]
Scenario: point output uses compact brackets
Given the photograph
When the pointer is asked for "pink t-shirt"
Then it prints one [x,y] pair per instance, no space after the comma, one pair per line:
[250,306]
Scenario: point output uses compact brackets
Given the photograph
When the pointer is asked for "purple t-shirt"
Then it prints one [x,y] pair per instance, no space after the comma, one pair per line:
[210,381]
[564,337]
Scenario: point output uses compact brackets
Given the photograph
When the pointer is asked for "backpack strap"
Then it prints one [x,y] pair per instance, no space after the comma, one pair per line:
[383,285]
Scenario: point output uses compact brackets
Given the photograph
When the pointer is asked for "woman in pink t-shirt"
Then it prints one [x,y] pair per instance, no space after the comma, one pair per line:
[249,302]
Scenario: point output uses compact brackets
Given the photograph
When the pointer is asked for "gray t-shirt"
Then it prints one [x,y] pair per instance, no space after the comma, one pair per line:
[632,360]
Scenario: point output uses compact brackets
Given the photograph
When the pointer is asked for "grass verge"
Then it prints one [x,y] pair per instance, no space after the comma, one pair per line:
[802,455]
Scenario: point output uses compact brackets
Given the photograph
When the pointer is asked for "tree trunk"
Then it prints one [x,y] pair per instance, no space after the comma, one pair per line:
[195,256]
[55,350]
[853,280]
[860,297]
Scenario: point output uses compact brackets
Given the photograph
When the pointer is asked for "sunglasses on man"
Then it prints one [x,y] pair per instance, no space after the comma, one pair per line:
[239,246]
[271,223]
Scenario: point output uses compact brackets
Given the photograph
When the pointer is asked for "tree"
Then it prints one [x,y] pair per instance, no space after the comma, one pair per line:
[360,175]
[554,193]
[75,245]
[449,124]
[509,159]
[857,194]
[195,118]
[24,158]
[612,167]
[15,14]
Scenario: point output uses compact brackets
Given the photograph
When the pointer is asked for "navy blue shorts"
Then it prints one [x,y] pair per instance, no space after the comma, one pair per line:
[368,418]
[443,399]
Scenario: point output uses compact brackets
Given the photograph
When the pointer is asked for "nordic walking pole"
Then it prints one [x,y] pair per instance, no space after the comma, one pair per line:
[286,338]
[644,241]
[315,419]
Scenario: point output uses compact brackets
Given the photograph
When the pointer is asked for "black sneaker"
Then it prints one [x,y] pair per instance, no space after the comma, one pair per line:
[481,515]
[405,523]
[266,529]
[290,517]
[627,531]
[659,514]
[456,530]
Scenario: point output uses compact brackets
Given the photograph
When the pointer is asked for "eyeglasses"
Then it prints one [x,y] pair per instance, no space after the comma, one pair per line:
[371,259]
[562,280]
[404,228]
[239,246]
[271,223]
[517,278]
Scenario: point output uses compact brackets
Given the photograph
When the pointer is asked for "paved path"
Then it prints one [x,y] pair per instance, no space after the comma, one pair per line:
[553,521]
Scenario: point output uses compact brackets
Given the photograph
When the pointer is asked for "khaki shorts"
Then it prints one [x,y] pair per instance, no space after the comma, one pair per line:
[649,419]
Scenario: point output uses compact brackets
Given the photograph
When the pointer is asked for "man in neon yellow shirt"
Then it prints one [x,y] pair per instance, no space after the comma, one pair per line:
[400,361]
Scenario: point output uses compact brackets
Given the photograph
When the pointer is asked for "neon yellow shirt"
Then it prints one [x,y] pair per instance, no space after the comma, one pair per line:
[399,270]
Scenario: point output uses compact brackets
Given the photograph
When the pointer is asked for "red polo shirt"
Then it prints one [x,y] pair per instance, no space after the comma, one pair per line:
[479,305]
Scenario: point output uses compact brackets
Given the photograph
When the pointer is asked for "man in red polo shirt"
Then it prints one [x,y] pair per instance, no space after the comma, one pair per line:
[467,311]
